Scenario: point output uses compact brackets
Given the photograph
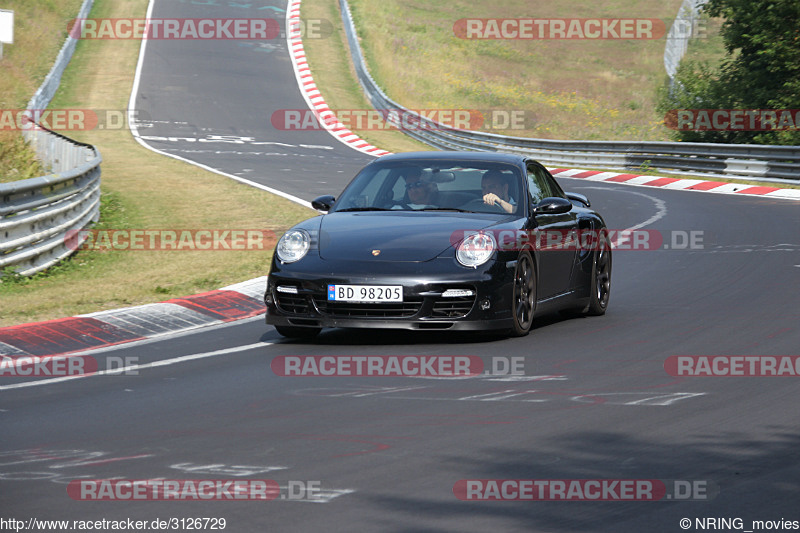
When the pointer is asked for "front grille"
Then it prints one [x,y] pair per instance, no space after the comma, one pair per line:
[452,307]
[292,303]
[368,310]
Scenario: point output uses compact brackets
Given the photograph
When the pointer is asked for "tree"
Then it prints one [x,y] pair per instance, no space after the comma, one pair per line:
[761,70]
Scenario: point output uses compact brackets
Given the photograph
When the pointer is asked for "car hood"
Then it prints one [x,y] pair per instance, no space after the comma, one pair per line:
[399,236]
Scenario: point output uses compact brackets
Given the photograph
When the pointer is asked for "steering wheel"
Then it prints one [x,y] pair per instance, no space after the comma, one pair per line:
[478,205]
[401,203]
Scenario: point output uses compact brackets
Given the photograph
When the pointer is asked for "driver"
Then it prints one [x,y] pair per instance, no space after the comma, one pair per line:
[494,185]
[419,191]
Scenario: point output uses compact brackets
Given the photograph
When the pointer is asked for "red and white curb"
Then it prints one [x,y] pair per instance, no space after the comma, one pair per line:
[309,90]
[684,184]
[108,328]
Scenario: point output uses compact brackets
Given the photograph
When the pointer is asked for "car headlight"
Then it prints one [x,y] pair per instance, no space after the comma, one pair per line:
[476,249]
[293,246]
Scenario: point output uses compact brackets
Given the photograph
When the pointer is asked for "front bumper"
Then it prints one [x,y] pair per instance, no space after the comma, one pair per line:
[423,308]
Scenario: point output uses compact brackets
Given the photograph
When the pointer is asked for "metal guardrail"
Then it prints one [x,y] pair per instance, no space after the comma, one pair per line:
[703,159]
[38,214]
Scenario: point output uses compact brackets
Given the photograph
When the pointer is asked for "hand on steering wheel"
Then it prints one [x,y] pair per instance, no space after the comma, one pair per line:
[480,206]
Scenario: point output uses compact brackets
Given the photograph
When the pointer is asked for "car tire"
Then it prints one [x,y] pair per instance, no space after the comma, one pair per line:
[523,300]
[296,332]
[600,289]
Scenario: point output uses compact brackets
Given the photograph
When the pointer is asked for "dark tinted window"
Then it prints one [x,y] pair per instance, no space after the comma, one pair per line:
[426,184]
[541,184]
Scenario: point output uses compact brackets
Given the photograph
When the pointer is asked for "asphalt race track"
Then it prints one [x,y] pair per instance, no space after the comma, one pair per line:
[383,454]
[212,102]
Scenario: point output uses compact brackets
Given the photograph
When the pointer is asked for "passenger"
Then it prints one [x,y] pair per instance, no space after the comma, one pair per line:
[419,191]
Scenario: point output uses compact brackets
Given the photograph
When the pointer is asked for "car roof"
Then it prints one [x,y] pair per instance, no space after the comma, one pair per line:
[494,157]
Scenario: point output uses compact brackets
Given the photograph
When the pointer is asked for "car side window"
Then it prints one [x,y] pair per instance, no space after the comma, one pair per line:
[545,183]
[535,190]
[552,184]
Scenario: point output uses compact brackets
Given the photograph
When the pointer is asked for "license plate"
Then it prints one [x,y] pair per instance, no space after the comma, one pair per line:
[365,293]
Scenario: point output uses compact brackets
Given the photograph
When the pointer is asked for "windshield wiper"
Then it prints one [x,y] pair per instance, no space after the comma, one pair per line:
[362,209]
[444,209]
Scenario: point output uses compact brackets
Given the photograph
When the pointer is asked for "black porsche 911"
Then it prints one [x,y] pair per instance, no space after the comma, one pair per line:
[441,241]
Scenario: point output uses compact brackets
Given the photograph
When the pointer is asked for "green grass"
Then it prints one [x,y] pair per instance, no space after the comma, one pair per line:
[40,28]
[572,89]
[17,159]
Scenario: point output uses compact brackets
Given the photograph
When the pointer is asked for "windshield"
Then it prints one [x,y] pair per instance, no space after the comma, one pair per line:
[479,187]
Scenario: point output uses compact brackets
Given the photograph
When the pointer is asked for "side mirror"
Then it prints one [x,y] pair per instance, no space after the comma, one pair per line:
[552,206]
[579,198]
[323,203]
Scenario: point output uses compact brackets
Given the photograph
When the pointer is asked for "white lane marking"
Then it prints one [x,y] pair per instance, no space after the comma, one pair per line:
[497,396]
[661,212]
[225,470]
[515,395]
[624,236]
[135,131]
[661,399]
[526,378]
[760,248]
[73,457]
[357,393]
[154,364]
[229,139]
[471,399]
[316,495]
[494,377]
